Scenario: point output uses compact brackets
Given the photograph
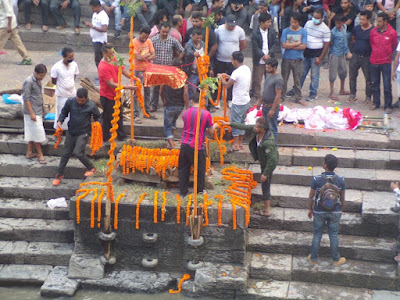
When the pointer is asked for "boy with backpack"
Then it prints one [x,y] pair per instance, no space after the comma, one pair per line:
[327,195]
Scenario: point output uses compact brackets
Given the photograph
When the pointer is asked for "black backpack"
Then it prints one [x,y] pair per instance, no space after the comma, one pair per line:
[329,195]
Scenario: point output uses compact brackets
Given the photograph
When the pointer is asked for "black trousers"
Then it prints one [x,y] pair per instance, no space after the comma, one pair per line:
[186,159]
[108,110]
[98,52]
[75,145]
[266,188]
[224,67]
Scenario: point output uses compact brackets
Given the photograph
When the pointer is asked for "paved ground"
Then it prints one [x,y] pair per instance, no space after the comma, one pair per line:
[15,76]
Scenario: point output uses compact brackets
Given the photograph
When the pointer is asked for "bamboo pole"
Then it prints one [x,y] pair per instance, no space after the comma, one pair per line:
[131,74]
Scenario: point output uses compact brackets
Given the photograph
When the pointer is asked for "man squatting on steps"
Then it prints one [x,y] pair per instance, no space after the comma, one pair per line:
[321,213]
[80,110]
[263,148]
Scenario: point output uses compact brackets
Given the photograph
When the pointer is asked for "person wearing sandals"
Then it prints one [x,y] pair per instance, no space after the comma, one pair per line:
[44,8]
[271,97]
[32,96]
[361,55]
[240,79]
[263,148]
[80,110]
[9,31]
[144,53]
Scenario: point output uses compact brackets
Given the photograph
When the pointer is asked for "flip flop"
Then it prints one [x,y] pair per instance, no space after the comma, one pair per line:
[42,161]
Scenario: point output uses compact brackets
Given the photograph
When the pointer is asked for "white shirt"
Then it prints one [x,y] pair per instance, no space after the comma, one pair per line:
[6,10]
[265,49]
[98,20]
[65,78]
[241,87]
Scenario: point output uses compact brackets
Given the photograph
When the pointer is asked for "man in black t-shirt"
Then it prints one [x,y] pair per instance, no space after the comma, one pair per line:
[361,54]
[349,12]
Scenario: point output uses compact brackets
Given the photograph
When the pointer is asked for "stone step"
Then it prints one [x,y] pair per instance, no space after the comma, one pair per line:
[275,289]
[37,230]
[296,196]
[358,179]
[295,219]
[35,253]
[354,273]
[20,166]
[32,209]
[24,274]
[37,188]
[299,243]
[306,157]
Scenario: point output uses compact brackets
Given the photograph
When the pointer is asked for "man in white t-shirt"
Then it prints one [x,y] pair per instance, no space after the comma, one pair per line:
[63,75]
[240,80]
[230,38]
[98,29]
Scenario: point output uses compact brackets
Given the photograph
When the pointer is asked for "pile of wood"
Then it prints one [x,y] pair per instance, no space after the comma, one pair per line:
[94,92]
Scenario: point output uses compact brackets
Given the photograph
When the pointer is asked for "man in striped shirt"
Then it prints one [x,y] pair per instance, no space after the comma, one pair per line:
[186,155]
[318,40]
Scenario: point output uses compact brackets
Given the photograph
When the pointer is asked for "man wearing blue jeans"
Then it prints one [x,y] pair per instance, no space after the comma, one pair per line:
[318,40]
[323,215]
[112,6]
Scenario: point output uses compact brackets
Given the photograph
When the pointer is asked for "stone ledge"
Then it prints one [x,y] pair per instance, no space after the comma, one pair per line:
[299,243]
[24,274]
[58,284]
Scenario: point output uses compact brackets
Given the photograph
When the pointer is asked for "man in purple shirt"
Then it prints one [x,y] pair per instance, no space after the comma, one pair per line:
[186,155]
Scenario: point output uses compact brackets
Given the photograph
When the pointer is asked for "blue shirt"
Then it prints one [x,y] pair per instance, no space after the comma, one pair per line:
[290,35]
[318,182]
[362,45]
[339,45]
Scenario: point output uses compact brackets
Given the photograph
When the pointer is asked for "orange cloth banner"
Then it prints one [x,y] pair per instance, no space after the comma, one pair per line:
[160,75]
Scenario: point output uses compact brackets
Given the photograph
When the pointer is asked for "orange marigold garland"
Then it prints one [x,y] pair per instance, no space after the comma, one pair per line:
[163,205]
[184,278]
[92,208]
[178,209]
[96,138]
[99,207]
[219,197]
[116,210]
[188,209]
[206,203]
[58,134]
[155,207]
[78,199]
[138,209]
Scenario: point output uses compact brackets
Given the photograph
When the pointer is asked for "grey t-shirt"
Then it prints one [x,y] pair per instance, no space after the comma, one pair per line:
[32,92]
[228,41]
[272,82]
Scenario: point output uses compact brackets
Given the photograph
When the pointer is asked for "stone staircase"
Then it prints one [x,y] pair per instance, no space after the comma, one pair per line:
[279,245]
[34,239]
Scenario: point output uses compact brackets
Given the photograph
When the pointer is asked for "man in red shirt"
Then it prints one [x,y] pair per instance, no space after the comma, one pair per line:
[186,154]
[383,39]
[108,78]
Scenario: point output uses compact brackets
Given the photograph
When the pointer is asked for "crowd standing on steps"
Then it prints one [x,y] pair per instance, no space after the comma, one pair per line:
[340,35]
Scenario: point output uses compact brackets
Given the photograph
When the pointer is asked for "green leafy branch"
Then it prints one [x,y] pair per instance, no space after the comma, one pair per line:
[209,21]
[120,59]
[132,7]
[211,83]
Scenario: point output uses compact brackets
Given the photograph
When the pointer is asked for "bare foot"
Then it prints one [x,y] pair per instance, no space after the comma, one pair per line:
[301,102]
[344,93]
[333,97]
[264,213]
[30,155]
